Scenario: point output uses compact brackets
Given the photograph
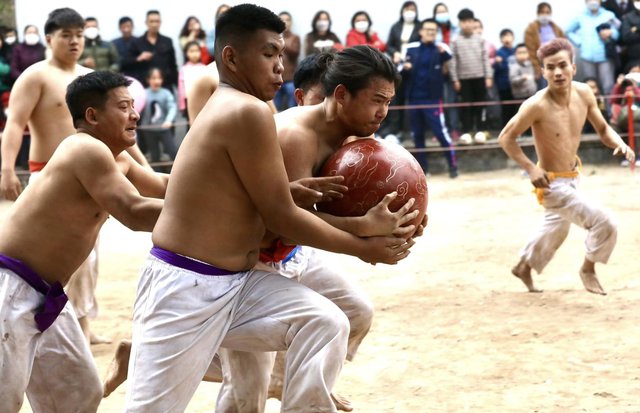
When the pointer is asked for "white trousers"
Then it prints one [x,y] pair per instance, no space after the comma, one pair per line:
[181,318]
[246,376]
[55,368]
[565,206]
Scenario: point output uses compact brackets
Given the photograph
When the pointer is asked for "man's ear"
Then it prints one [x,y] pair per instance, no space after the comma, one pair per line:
[340,94]
[91,116]
[299,95]
[229,58]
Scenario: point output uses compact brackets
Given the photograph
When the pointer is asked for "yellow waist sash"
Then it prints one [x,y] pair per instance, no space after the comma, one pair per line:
[554,175]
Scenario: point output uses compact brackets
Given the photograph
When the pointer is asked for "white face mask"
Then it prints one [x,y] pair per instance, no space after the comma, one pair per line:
[409,16]
[442,18]
[31,39]
[593,5]
[544,18]
[10,40]
[322,25]
[361,26]
[636,4]
[91,33]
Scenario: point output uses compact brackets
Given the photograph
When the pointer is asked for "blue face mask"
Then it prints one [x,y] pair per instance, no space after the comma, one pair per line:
[442,18]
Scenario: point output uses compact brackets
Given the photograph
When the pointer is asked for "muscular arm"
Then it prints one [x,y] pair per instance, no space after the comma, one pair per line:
[135,152]
[25,95]
[524,119]
[263,175]
[99,174]
[147,182]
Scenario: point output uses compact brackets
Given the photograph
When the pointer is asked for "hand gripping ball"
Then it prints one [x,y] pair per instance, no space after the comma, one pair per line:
[371,169]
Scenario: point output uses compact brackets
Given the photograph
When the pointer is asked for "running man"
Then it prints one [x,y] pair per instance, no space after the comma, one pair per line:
[198,291]
[50,231]
[37,100]
[556,115]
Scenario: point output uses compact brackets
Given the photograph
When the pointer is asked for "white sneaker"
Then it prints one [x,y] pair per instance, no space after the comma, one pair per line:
[465,139]
[624,163]
[480,137]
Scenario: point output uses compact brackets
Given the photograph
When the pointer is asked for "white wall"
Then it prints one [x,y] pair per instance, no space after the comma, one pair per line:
[495,14]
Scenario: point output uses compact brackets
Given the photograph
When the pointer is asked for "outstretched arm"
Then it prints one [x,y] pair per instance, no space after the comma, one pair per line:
[99,174]
[607,135]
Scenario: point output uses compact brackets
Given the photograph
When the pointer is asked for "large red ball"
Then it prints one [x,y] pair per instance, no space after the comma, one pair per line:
[373,168]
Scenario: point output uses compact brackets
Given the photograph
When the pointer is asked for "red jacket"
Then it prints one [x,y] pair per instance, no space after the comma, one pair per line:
[355,38]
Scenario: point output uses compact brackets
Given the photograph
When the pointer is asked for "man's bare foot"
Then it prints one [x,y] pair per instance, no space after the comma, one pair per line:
[117,372]
[341,402]
[523,271]
[591,283]
[96,339]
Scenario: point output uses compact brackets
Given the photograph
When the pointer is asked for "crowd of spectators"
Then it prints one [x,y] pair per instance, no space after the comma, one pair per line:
[473,84]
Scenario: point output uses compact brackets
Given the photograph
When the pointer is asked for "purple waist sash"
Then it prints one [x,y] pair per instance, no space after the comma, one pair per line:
[54,297]
[188,263]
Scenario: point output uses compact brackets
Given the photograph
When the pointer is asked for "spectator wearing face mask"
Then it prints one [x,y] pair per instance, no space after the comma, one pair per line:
[446,29]
[361,32]
[321,38]
[539,32]
[30,51]
[98,54]
[583,32]
[10,41]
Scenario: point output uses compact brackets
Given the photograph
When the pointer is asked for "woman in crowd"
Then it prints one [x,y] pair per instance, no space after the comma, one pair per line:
[192,32]
[361,32]
[30,51]
[540,31]
[321,38]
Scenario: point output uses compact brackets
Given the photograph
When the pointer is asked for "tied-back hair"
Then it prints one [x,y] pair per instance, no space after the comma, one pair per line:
[555,46]
[241,22]
[355,67]
[63,18]
[91,90]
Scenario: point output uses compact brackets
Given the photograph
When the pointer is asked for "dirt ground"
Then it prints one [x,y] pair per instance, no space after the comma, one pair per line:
[453,330]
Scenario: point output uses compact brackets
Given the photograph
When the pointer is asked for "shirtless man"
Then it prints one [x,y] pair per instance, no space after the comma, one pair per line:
[49,232]
[302,264]
[556,115]
[198,291]
[357,77]
[37,100]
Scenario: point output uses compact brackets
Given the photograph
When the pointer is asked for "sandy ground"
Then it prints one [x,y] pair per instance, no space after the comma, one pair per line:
[454,331]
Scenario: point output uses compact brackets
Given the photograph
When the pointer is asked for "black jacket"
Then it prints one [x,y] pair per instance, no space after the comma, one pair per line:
[394,43]
[164,58]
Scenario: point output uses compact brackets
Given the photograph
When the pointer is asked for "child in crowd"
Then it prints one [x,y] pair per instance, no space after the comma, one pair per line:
[501,74]
[157,118]
[521,74]
[424,85]
[472,76]
[192,69]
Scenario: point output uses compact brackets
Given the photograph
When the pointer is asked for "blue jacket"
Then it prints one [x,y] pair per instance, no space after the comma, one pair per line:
[582,32]
[425,80]
[501,70]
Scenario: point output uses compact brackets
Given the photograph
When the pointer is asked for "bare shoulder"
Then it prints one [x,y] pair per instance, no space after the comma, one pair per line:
[584,92]
[536,104]
[292,124]
[34,75]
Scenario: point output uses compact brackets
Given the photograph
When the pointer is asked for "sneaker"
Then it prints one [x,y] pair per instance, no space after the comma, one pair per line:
[453,173]
[465,139]
[624,163]
[480,137]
